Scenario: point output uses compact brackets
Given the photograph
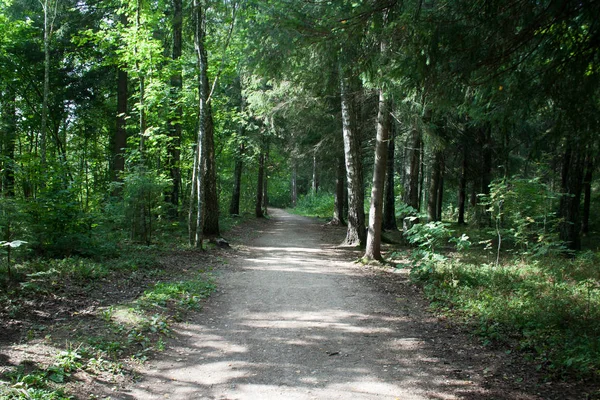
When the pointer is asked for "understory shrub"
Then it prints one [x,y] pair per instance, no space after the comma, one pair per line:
[550,307]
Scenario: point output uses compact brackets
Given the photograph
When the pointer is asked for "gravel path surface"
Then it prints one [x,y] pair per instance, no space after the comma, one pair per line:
[292,320]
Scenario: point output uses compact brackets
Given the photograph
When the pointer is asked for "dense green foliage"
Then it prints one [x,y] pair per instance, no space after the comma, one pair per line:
[121,120]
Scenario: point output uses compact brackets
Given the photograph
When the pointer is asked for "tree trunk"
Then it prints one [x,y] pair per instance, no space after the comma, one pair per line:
[355,234]
[587,191]
[373,249]
[294,182]
[119,142]
[8,131]
[572,183]
[462,189]
[175,117]
[48,28]
[338,208]
[434,187]
[197,195]
[234,207]
[266,182]
[211,201]
[440,192]
[412,194]
[260,185]
[389,205]
[315,183]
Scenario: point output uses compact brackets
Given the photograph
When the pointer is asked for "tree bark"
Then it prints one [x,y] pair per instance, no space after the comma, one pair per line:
[266,181]
[8,130]
[174,123]
[389,205]
[434,187]
[197,195]
[234,207]
[315,182]
[373,248]
[572,183]
[587,194]
[260,185]
[119,142]
[462,189]
[338,208]
[211,201]
[412,194]
[355,234]
[294,182]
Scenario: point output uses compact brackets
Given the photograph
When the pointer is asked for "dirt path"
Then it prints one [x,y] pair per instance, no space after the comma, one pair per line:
[294,321]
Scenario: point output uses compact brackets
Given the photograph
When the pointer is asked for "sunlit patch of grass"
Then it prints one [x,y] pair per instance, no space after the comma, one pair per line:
[550,307]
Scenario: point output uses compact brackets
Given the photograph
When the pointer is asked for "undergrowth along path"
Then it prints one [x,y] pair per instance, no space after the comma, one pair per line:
[296,319]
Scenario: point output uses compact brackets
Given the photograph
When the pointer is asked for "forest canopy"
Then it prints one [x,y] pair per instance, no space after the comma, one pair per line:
[129,118]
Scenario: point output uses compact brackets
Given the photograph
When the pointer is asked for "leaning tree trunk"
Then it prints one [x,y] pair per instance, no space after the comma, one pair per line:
[389,205]
[175,118]
[338,208]
[572,184]
[373,249]
[355,234]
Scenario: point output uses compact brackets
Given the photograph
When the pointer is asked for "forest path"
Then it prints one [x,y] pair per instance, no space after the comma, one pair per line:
[294,319]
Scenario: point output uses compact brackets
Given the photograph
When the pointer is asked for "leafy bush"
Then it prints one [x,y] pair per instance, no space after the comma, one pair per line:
[523,214]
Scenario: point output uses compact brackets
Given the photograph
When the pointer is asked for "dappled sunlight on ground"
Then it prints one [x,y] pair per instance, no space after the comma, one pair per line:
[292,321]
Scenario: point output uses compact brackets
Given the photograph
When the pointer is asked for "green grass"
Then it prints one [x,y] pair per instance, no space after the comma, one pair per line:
[548,308]
[315,205]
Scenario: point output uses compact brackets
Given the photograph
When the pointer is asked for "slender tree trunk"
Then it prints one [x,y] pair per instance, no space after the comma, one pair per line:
[572,184]
[412,194]
[315,185]
[174,123]
[49,16]
[294,182]
[234,207]
[587,194]
[389,205]
[260,185]
[204,123]
[210,226]
[355,234]
[462,189]
[211,200]
[8,131]
[434,187]
[338,208]
[120,137]
[373,249]
[266,182]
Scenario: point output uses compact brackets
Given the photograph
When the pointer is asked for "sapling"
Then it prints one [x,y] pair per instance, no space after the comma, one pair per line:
[9,246]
